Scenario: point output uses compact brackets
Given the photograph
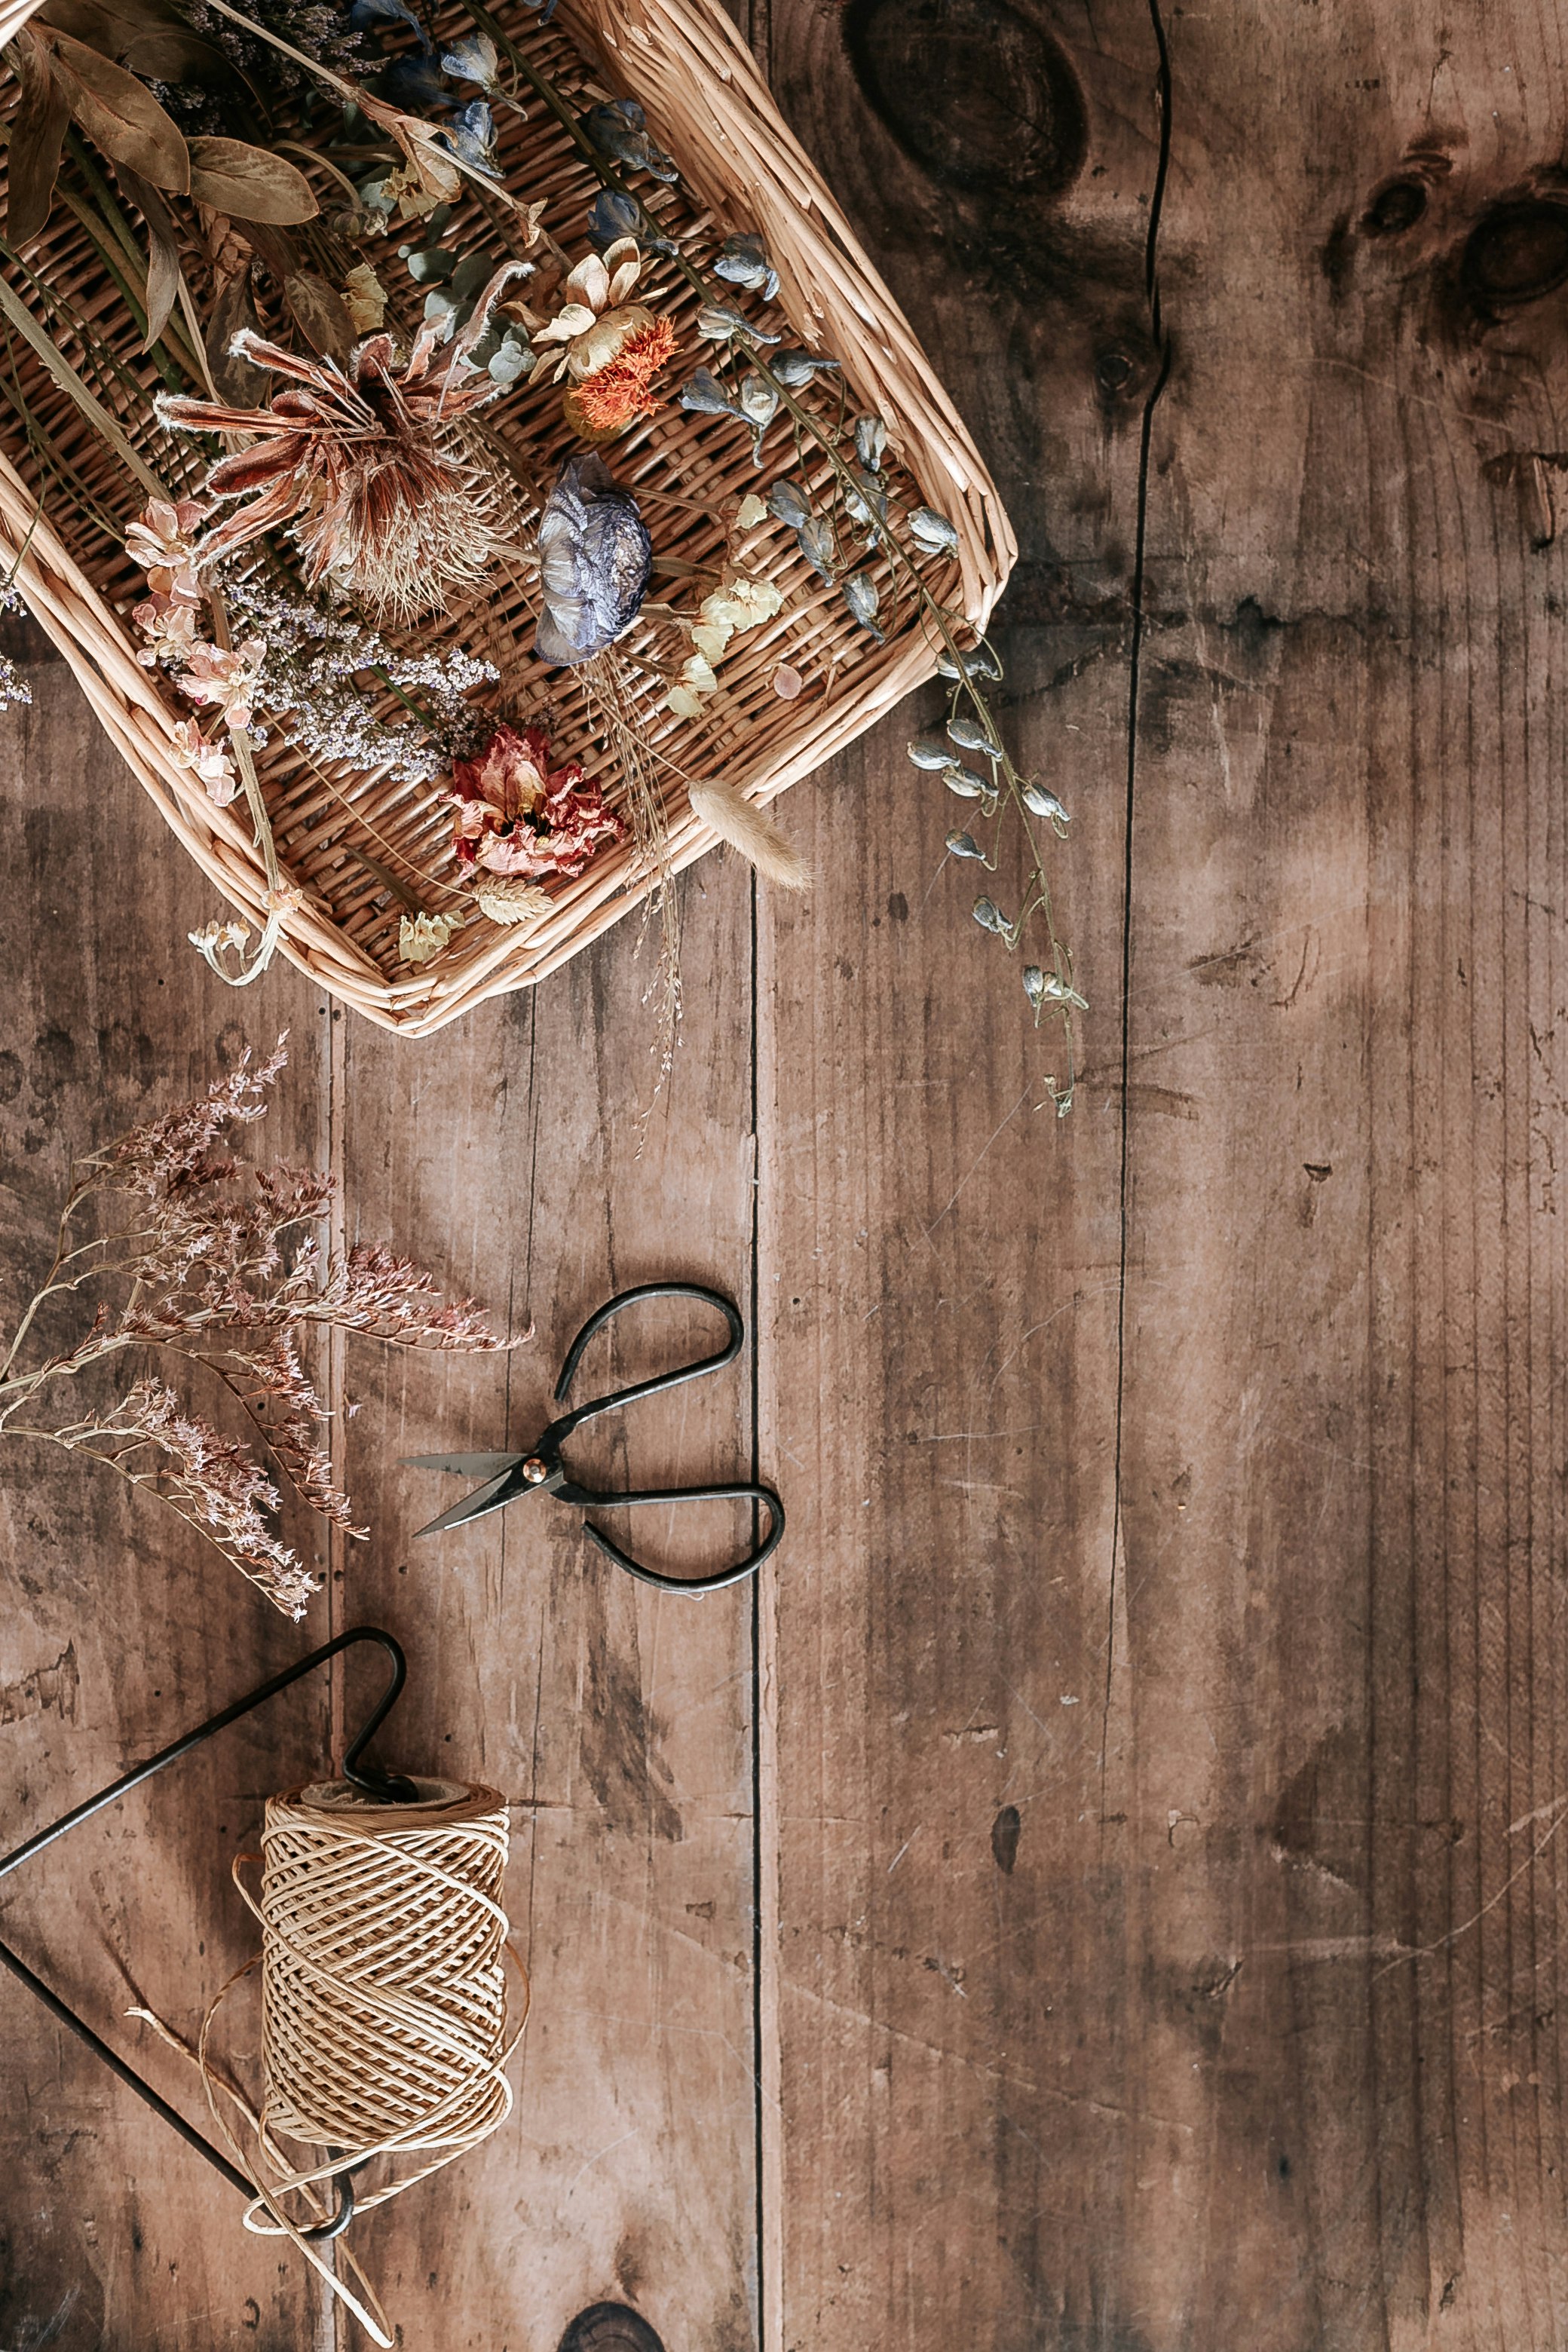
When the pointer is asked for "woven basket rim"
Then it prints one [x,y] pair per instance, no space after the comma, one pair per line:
[741,160]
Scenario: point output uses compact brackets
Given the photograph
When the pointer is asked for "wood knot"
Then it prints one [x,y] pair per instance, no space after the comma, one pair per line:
[1394,208]
[1516,253]
[992,104]
[610,2327]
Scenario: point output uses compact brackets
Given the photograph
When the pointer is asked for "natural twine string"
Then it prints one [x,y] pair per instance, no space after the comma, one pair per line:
[384,2016]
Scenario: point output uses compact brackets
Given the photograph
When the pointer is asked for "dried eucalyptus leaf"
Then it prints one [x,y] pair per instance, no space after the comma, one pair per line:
[235,379]
[431,267]
[111,26]
[177,55]
[248,183]
[121,116]
[163,251]
[321,313]
[38,135]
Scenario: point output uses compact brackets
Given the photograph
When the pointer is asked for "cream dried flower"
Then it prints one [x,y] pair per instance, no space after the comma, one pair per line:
[615,347]
[223,679]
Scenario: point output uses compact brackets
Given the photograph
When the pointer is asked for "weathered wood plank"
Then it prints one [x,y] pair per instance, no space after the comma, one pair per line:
[121,1629]
[1337,1729]
[615,1720]
[942,1258]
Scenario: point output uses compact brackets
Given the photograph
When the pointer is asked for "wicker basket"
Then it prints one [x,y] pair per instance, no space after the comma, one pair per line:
[341,831]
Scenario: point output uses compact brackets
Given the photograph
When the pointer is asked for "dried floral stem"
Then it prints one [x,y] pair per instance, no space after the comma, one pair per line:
[219,1266]
[1063,995]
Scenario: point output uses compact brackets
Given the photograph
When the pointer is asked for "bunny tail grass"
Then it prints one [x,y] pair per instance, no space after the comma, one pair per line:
[753,832]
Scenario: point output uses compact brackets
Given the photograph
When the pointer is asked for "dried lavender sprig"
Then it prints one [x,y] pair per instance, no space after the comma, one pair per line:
[314,657]
[14,686]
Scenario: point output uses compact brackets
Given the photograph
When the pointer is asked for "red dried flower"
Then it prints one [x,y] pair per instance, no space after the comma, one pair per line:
[516,814]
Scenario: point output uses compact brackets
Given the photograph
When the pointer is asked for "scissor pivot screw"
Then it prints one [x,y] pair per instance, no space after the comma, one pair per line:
[535,1471]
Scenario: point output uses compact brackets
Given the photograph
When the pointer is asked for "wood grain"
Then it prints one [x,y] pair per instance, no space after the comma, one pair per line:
[1144,1782]
[1168,1932]
[121,1628]
[616,1719]
[945,1264]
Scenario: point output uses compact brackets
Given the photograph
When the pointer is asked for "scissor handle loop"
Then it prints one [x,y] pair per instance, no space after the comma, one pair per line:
[748,1492]
[595,1323]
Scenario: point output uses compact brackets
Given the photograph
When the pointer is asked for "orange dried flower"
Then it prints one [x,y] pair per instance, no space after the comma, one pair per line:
[615,395]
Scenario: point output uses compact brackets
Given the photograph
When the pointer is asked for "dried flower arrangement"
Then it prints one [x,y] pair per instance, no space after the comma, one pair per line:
[532,521]
[208,1260]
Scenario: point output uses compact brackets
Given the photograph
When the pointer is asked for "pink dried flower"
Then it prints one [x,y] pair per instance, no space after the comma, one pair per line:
[217,1263]
[516,814]
[210,763]
[224,677]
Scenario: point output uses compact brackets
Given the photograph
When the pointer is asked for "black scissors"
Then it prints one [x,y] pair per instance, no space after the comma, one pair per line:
[540,1469]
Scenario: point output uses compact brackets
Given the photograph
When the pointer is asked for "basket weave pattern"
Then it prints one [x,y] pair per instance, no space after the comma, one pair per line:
[341,830]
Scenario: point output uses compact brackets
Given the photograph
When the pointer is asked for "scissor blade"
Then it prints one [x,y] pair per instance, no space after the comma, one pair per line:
[488,1498]
[462,1466]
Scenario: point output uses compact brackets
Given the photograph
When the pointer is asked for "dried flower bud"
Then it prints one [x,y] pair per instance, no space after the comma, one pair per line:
[990,917]
[1041,803]
[962,845]
[932,531]
[965,782]
[930,751]
[981,663]
[790,504]
[972,737]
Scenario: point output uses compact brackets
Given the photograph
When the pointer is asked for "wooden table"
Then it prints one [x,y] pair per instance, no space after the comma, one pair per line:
[1105,1887]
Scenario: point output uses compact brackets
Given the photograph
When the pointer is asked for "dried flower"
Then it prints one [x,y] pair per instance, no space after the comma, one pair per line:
[366,298]
[210,763]
[224,677]
[311,675]
[518,816]
[615,347]
[216,1262]
[420,937]
[352,460]
[508,899]
[595,559]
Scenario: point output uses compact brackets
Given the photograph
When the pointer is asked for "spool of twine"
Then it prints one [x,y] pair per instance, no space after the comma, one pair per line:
[385,2023]
[383,1969]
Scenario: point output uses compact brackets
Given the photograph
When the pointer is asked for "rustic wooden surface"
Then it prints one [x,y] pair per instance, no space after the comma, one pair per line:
[1108,1879]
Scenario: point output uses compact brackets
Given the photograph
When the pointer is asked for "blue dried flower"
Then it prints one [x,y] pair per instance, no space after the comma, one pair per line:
[596,559]
[367,15]
[704,395]
[414,84]
[472,58]
[472,137]
[742,262]
[619,130]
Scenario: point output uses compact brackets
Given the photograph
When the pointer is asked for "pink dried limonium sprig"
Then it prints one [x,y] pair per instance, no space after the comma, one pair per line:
[213,1259]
